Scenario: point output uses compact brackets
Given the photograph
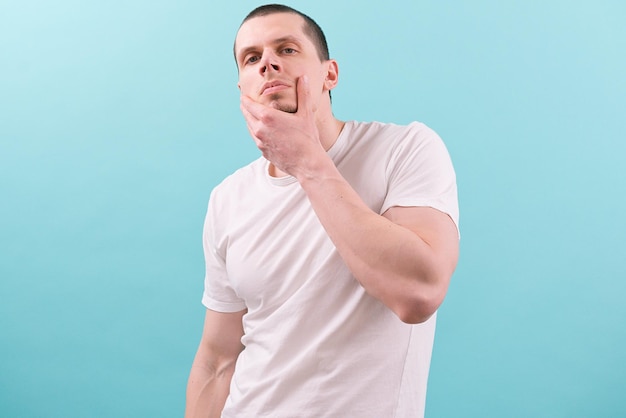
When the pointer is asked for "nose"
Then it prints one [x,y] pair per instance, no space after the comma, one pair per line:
[269,62]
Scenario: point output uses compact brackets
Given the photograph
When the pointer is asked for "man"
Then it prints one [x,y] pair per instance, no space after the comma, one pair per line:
[326,259]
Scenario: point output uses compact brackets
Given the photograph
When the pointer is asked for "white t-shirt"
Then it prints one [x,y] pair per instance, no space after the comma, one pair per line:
[316,344]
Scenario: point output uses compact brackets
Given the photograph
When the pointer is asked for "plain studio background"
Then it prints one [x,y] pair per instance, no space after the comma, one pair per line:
[117,118]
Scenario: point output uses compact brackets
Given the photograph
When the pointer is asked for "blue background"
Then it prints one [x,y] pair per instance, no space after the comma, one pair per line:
[117,118]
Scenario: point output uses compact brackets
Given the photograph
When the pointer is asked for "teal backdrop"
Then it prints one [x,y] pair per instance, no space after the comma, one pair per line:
[117,118]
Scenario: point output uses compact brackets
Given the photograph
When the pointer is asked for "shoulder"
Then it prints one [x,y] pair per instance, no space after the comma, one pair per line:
[392,137]
[391,131]
[243,175]
[238,182]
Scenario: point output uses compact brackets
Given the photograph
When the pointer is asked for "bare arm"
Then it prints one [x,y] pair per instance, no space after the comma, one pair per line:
[405,257]
[212,368]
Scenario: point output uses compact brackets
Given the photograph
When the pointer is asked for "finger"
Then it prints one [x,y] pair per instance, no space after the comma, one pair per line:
[244,105]
[257,110]
[251,123]
[303,93]
[256,139]
[250,107]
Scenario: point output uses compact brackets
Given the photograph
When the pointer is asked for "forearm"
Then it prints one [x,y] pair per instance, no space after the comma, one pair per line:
[391,262]
[207,390]
[404,258]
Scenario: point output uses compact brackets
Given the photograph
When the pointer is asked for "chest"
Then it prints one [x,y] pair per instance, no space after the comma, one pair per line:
[274,246]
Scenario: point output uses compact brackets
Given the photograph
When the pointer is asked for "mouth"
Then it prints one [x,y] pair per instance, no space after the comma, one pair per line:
[272,87]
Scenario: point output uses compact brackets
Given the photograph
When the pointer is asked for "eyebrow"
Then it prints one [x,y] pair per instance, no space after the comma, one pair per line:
[277,41]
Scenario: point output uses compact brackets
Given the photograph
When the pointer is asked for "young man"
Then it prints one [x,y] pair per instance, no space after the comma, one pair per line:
[326,259]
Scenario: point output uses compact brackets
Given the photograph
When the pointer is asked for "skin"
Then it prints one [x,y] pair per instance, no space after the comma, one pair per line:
[405,257]
[213,366]
[274,49]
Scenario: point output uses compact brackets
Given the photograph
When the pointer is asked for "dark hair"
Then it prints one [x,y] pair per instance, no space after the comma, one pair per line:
[311,28]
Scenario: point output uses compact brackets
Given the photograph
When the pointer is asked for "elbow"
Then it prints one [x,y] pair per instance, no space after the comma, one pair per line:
[420,304]
[415,314]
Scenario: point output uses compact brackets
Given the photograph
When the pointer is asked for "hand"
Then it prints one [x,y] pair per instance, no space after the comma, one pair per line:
[290,141]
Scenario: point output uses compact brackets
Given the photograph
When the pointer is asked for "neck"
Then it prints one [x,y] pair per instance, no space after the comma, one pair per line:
[329,131]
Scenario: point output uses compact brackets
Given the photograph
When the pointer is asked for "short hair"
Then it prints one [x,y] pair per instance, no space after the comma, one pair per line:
[311,29]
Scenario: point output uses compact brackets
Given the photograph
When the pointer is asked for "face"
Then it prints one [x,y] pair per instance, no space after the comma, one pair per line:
[272,52]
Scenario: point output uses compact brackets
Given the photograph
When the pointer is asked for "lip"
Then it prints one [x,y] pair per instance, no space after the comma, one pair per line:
[272,87]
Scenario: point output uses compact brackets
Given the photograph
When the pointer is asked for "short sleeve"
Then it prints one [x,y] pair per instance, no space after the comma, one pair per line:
[218,293]
[420,173]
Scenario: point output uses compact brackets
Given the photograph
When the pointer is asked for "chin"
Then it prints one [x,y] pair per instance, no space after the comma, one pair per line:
[280,102]
[289,108]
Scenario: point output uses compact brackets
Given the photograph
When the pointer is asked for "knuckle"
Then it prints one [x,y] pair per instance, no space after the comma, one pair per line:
[265,117]
[258,132]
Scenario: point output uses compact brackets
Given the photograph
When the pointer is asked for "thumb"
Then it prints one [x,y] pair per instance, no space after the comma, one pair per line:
[303,91]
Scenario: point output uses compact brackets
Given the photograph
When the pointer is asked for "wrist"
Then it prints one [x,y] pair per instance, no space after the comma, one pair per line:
[316,170]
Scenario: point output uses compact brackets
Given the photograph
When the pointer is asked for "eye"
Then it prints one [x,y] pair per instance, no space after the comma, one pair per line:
[252,59]
[289,51]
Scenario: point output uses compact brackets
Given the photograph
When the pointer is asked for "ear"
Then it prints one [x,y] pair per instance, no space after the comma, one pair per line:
[332,75]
